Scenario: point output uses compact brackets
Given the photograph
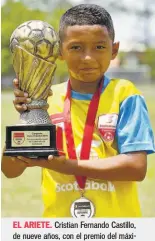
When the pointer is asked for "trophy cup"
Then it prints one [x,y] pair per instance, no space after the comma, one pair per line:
[34,46]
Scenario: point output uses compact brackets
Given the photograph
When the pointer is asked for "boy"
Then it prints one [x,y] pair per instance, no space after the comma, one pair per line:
[106,129]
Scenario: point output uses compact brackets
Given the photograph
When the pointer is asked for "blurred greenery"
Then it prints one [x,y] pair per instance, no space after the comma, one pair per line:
[14,14]
[149,58]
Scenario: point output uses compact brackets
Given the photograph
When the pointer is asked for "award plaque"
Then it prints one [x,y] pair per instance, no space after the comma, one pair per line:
[34,46]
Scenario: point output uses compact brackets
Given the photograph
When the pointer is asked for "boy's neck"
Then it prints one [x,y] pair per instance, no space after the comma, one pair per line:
[84,87]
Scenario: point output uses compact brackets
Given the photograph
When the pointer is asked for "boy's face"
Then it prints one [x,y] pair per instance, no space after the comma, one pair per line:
[87,50]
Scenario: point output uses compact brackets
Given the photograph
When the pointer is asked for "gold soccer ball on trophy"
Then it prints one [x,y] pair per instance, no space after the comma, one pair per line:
[38,38]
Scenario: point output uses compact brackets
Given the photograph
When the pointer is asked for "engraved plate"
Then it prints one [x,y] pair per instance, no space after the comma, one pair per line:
[30,138]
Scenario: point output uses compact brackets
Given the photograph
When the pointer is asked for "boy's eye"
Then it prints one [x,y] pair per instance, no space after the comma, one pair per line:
[100,47]
[75,47]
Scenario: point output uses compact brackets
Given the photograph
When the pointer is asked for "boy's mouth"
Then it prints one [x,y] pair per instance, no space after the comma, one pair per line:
[88,69]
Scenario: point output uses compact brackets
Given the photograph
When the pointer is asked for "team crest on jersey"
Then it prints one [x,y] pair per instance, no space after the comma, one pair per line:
[107,126]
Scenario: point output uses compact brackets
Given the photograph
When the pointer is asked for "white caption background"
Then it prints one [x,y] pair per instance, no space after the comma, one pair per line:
[144,229]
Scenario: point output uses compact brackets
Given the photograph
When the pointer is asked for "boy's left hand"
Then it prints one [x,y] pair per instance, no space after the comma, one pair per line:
[52,162]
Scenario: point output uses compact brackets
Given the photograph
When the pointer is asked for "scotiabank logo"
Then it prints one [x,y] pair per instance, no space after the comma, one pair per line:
[90,185]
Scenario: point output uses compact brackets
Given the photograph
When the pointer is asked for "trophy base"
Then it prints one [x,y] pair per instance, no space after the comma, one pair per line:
[31,153]
[31,141]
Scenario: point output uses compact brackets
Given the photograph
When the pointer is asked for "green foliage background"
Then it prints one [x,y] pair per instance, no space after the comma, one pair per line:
[14,14]
[149,58]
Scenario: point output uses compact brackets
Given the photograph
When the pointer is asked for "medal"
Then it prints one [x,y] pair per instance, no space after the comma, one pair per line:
[81,207]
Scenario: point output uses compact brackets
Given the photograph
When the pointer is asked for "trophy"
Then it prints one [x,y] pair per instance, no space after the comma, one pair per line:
[35,47]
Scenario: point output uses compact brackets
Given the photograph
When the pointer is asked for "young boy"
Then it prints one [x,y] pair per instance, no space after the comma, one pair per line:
[106,129]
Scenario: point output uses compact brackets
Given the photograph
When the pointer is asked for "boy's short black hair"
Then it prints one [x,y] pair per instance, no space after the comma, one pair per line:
[86,14]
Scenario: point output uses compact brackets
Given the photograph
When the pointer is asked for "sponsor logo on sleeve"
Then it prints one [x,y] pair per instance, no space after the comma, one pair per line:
[107,126]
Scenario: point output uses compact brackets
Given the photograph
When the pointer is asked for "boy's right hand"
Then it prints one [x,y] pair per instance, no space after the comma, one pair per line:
[21,97]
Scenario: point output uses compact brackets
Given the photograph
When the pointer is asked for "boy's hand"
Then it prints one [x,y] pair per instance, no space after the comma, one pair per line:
[29,161]
[21,98]
[43,162]
[18,161]
[55,163]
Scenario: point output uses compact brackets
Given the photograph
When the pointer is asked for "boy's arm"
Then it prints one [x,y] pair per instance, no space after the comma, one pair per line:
[12,166]
[123,167]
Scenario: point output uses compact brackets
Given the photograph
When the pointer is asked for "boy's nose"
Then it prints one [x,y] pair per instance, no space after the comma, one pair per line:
[87,56]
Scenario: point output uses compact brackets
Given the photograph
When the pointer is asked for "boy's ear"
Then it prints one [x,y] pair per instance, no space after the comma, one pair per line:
[115,48]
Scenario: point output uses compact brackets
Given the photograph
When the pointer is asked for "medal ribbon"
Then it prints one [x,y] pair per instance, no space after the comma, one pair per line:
[88,129]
